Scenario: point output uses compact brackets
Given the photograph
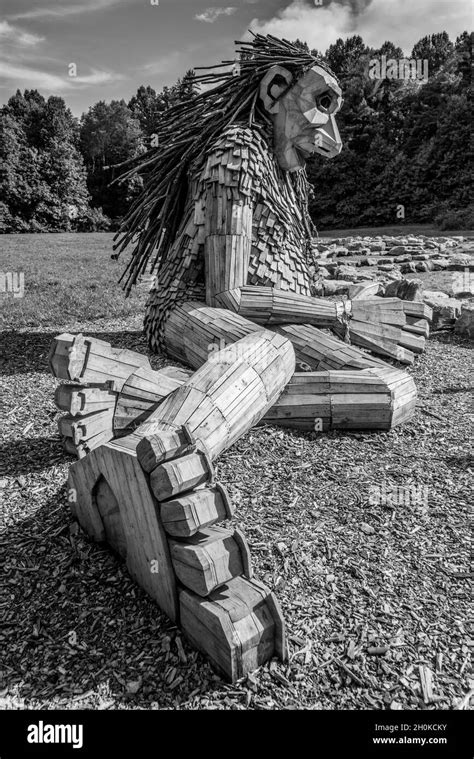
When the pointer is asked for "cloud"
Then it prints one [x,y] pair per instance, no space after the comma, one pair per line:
[97,77]
[19,76]
[404,22]
[17,36]
[63,10]
[22,66]
[355,6]
[29,77]
[212,14]
[163,64]
[319,26]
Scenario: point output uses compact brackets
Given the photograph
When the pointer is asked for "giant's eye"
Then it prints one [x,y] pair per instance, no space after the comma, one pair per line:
[325,101]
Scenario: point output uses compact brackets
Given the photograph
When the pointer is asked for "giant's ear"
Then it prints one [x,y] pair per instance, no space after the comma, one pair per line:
[274,83]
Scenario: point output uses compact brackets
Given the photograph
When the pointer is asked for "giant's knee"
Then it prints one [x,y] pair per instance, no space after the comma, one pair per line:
[194,331]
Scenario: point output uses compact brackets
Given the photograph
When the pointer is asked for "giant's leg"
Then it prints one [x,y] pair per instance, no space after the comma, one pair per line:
[378,398]
[345,389]
[152,496]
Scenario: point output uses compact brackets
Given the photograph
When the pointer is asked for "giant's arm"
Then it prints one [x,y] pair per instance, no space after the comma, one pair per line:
[375,324]
[228,238]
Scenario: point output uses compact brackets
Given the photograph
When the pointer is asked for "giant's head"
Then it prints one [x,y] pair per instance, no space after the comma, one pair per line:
[302,110]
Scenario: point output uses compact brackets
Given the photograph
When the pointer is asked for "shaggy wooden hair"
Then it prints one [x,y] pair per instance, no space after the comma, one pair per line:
[185,131]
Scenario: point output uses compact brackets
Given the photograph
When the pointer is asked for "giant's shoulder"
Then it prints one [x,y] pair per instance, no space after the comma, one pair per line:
[236,157]
[239,139]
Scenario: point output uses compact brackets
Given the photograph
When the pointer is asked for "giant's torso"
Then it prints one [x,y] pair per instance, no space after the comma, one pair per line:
[244,163]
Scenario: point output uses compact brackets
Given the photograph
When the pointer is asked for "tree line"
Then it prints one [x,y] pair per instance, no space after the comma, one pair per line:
[57,172]
[407,152]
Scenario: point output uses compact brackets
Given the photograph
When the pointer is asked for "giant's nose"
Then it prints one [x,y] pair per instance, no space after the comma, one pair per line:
[328,140]
[316,117]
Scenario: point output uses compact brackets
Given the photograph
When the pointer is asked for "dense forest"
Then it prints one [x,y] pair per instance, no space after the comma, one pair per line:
[407,152]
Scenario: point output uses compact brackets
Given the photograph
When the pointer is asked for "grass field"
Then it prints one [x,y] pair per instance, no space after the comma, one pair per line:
[351,575]
[67,277]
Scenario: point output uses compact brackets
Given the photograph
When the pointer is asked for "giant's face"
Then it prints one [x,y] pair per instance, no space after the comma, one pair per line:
[310,107]
[303,114]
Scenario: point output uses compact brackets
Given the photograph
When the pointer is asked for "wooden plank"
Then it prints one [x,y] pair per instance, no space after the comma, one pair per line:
[85,427]
[383,347]
[183,517]
[418,326]
[181,474]
[373,331]
[87,359]
[395,318]
[146,550]
[79,400]
[235,626]
[417,309]
[207,560]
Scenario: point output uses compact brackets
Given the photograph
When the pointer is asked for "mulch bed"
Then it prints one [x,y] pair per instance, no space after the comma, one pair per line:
[375,595]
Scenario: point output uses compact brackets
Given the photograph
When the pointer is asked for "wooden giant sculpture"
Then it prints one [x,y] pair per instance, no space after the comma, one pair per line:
[224,212]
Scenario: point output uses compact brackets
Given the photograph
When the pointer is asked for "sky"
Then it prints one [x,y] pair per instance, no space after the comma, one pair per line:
[90,50]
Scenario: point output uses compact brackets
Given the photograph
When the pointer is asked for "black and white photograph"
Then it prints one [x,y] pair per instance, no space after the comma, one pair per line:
[237,322]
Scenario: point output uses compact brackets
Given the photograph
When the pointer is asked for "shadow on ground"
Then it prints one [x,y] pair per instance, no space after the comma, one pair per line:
[32,455]
[77,626]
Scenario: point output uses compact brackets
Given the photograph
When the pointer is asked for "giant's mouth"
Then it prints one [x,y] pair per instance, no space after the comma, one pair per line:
[316,147]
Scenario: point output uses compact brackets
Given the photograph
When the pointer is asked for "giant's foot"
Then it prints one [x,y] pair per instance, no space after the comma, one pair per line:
[152,496]
[112,390]
[165,525]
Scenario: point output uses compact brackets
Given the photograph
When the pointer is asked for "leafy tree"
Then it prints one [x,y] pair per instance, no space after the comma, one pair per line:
[147,105]
[43,178]
[435,48]
[463,57]
[344,54]
[185,88]
[110,135]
